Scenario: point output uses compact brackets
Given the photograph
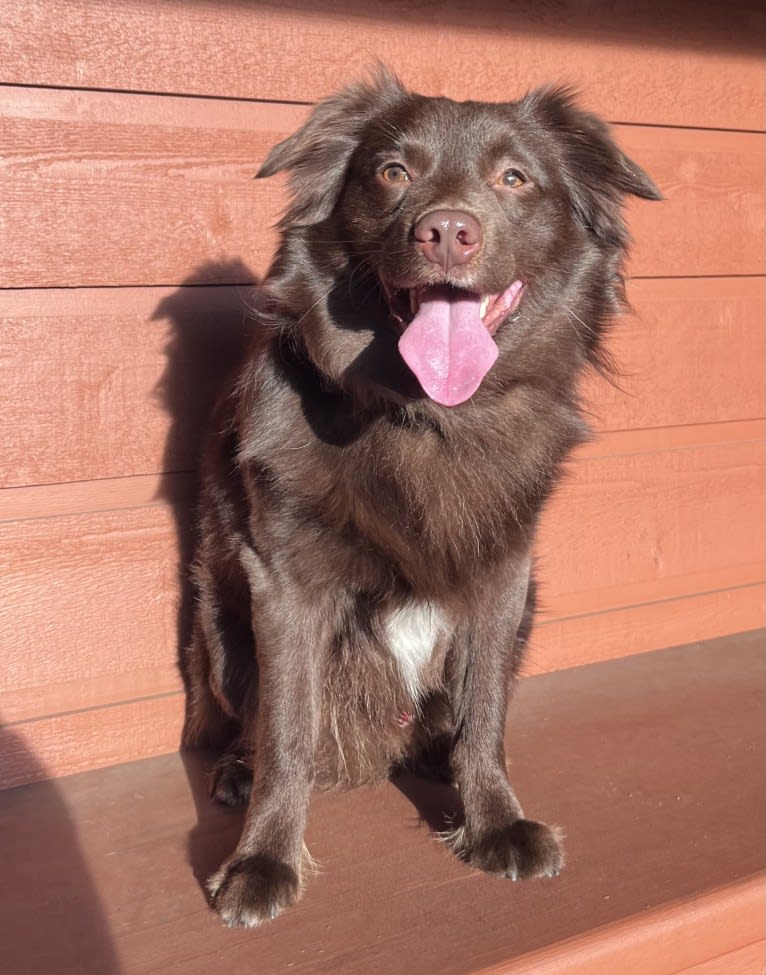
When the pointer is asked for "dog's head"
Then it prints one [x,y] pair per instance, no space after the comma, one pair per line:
[482,241]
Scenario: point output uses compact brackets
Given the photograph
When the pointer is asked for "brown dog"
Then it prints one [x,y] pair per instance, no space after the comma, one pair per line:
[374,482]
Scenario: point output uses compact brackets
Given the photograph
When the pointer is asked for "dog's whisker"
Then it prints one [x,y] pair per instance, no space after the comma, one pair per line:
[589,329]
[319,300]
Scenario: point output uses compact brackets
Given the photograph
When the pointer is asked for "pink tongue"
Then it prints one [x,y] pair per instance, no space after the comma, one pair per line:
[447,346]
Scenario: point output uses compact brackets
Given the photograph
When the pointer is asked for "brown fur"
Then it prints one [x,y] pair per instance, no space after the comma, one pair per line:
[336,493]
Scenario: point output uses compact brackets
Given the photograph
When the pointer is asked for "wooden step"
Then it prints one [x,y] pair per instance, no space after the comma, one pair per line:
[653,764]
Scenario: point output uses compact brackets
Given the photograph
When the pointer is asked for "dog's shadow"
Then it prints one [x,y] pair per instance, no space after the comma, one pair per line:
[215,834]
[437,804]
[208,331]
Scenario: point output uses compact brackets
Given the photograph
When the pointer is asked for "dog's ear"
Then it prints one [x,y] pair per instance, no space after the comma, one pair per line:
[318,154]
[598,174]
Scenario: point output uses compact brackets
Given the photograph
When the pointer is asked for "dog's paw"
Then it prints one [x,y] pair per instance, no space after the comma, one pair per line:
[249,890]
[519,850]
[232,780]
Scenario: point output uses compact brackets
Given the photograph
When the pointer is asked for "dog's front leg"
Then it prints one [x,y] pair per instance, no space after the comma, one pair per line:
[495,836]
[263,875]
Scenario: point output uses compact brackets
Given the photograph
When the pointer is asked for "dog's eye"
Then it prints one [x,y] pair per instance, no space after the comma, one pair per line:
[395,173]
[512,178]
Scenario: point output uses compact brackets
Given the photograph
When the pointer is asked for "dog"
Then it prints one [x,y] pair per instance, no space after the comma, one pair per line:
[376,473]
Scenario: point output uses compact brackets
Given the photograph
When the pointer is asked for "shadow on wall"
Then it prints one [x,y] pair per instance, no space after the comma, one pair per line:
[209,327]
[51,918]
[736,26]
[214,836]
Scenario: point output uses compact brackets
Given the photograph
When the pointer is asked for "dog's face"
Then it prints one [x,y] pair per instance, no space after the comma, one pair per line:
[462,214]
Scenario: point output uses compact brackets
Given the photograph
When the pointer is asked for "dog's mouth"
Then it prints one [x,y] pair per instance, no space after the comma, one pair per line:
[447,335]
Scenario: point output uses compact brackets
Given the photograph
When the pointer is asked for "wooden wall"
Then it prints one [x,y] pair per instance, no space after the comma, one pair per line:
[131,228]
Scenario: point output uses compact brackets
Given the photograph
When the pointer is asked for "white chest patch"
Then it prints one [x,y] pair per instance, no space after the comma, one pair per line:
[411,633]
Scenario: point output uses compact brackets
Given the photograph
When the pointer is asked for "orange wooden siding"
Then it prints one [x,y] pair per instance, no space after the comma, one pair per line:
[694,62]
[174,176]
[132,229]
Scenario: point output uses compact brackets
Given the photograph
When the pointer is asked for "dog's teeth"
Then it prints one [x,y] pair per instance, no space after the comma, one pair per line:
[413,300]
[483,306]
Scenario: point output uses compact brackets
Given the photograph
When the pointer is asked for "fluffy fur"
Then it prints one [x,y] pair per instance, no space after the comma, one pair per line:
[343,509]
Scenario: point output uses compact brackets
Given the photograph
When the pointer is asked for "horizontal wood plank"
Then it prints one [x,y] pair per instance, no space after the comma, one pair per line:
[612,443]
[744,961]
[710,180]
[556,604]
[88,610]
[104,189]
[657,941]
[64,744]
[685,357]
[105,494]
[622,523]
[557,644]
[698,64]
[112,382]
[634,547]
[179,487]
[107,383]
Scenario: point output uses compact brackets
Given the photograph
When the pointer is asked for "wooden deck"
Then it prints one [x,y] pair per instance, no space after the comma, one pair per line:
[653,764]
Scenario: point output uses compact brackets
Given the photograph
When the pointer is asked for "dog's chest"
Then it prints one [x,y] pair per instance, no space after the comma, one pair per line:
[412,633]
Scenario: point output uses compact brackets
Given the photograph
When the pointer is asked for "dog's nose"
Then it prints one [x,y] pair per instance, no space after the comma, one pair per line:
[448,237]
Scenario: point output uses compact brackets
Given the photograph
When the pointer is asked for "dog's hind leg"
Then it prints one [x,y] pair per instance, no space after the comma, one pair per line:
[429,754]
[232,778]
[206,724]
[219,669]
